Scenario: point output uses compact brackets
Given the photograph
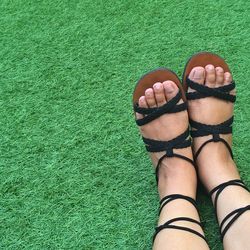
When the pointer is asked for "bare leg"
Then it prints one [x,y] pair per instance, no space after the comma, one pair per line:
[176,176]
[215,164]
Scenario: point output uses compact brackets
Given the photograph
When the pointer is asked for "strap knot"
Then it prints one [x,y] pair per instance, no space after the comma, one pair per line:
[216,137]
[169,152]
[200,129]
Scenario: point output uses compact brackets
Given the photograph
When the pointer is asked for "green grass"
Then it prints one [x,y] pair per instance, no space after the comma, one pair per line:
[74,172]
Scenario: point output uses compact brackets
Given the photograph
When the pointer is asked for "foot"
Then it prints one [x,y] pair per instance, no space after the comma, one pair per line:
[176,176]
[212,111]
[214,163]
[165,128]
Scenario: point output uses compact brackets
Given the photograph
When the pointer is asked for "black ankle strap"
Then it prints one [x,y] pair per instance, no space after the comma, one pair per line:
[203,91]
[164,201]
[181,141]
[168,224]
[153,113]
[222,186]
[234,215]
[214,130]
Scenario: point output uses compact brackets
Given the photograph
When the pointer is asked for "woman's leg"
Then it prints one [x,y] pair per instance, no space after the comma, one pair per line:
[215,165]
[176,176]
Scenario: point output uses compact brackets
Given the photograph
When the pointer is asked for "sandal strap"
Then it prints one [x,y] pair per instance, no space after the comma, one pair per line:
[181,141]
[222,186]
[154,113]
[214,130]
[204,129]
[168,224]
[165,200]
[203,91]
[235,214]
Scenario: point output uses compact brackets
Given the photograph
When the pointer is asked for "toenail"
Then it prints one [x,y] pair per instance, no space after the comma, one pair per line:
[209,67]
[220,70]
[141,99]
[169,88]
[198,73]
[157,86]
[148,92]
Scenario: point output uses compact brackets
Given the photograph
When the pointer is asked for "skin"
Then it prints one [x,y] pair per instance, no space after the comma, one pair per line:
[215,165]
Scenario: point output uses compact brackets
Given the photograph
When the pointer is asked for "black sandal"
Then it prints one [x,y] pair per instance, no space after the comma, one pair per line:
[202,91]
[181,141]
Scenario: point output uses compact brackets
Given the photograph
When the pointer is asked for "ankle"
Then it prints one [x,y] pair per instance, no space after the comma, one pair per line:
[216,172]
[177,179]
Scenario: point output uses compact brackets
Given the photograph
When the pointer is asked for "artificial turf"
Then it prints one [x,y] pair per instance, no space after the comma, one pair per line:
[74,171]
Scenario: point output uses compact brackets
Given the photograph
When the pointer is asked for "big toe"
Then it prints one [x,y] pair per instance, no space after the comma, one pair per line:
[197,74]
[171,89]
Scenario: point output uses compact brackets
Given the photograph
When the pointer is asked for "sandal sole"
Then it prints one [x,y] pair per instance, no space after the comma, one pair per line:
[152,77]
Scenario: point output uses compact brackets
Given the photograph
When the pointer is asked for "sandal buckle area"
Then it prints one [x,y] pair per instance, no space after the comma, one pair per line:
[169,152]
[216,137]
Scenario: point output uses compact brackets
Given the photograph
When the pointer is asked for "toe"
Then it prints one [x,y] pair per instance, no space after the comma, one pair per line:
[159,94]
[219,75]
[210,75]
[143,104]
[228,78]
[150,98]
[171,89]
[197,74]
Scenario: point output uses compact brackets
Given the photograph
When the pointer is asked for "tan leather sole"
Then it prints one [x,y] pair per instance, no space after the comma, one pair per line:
[149,79]
[202,59]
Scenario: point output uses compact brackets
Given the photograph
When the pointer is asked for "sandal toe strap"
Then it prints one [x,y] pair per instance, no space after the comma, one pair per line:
[203,91]
[153,113]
